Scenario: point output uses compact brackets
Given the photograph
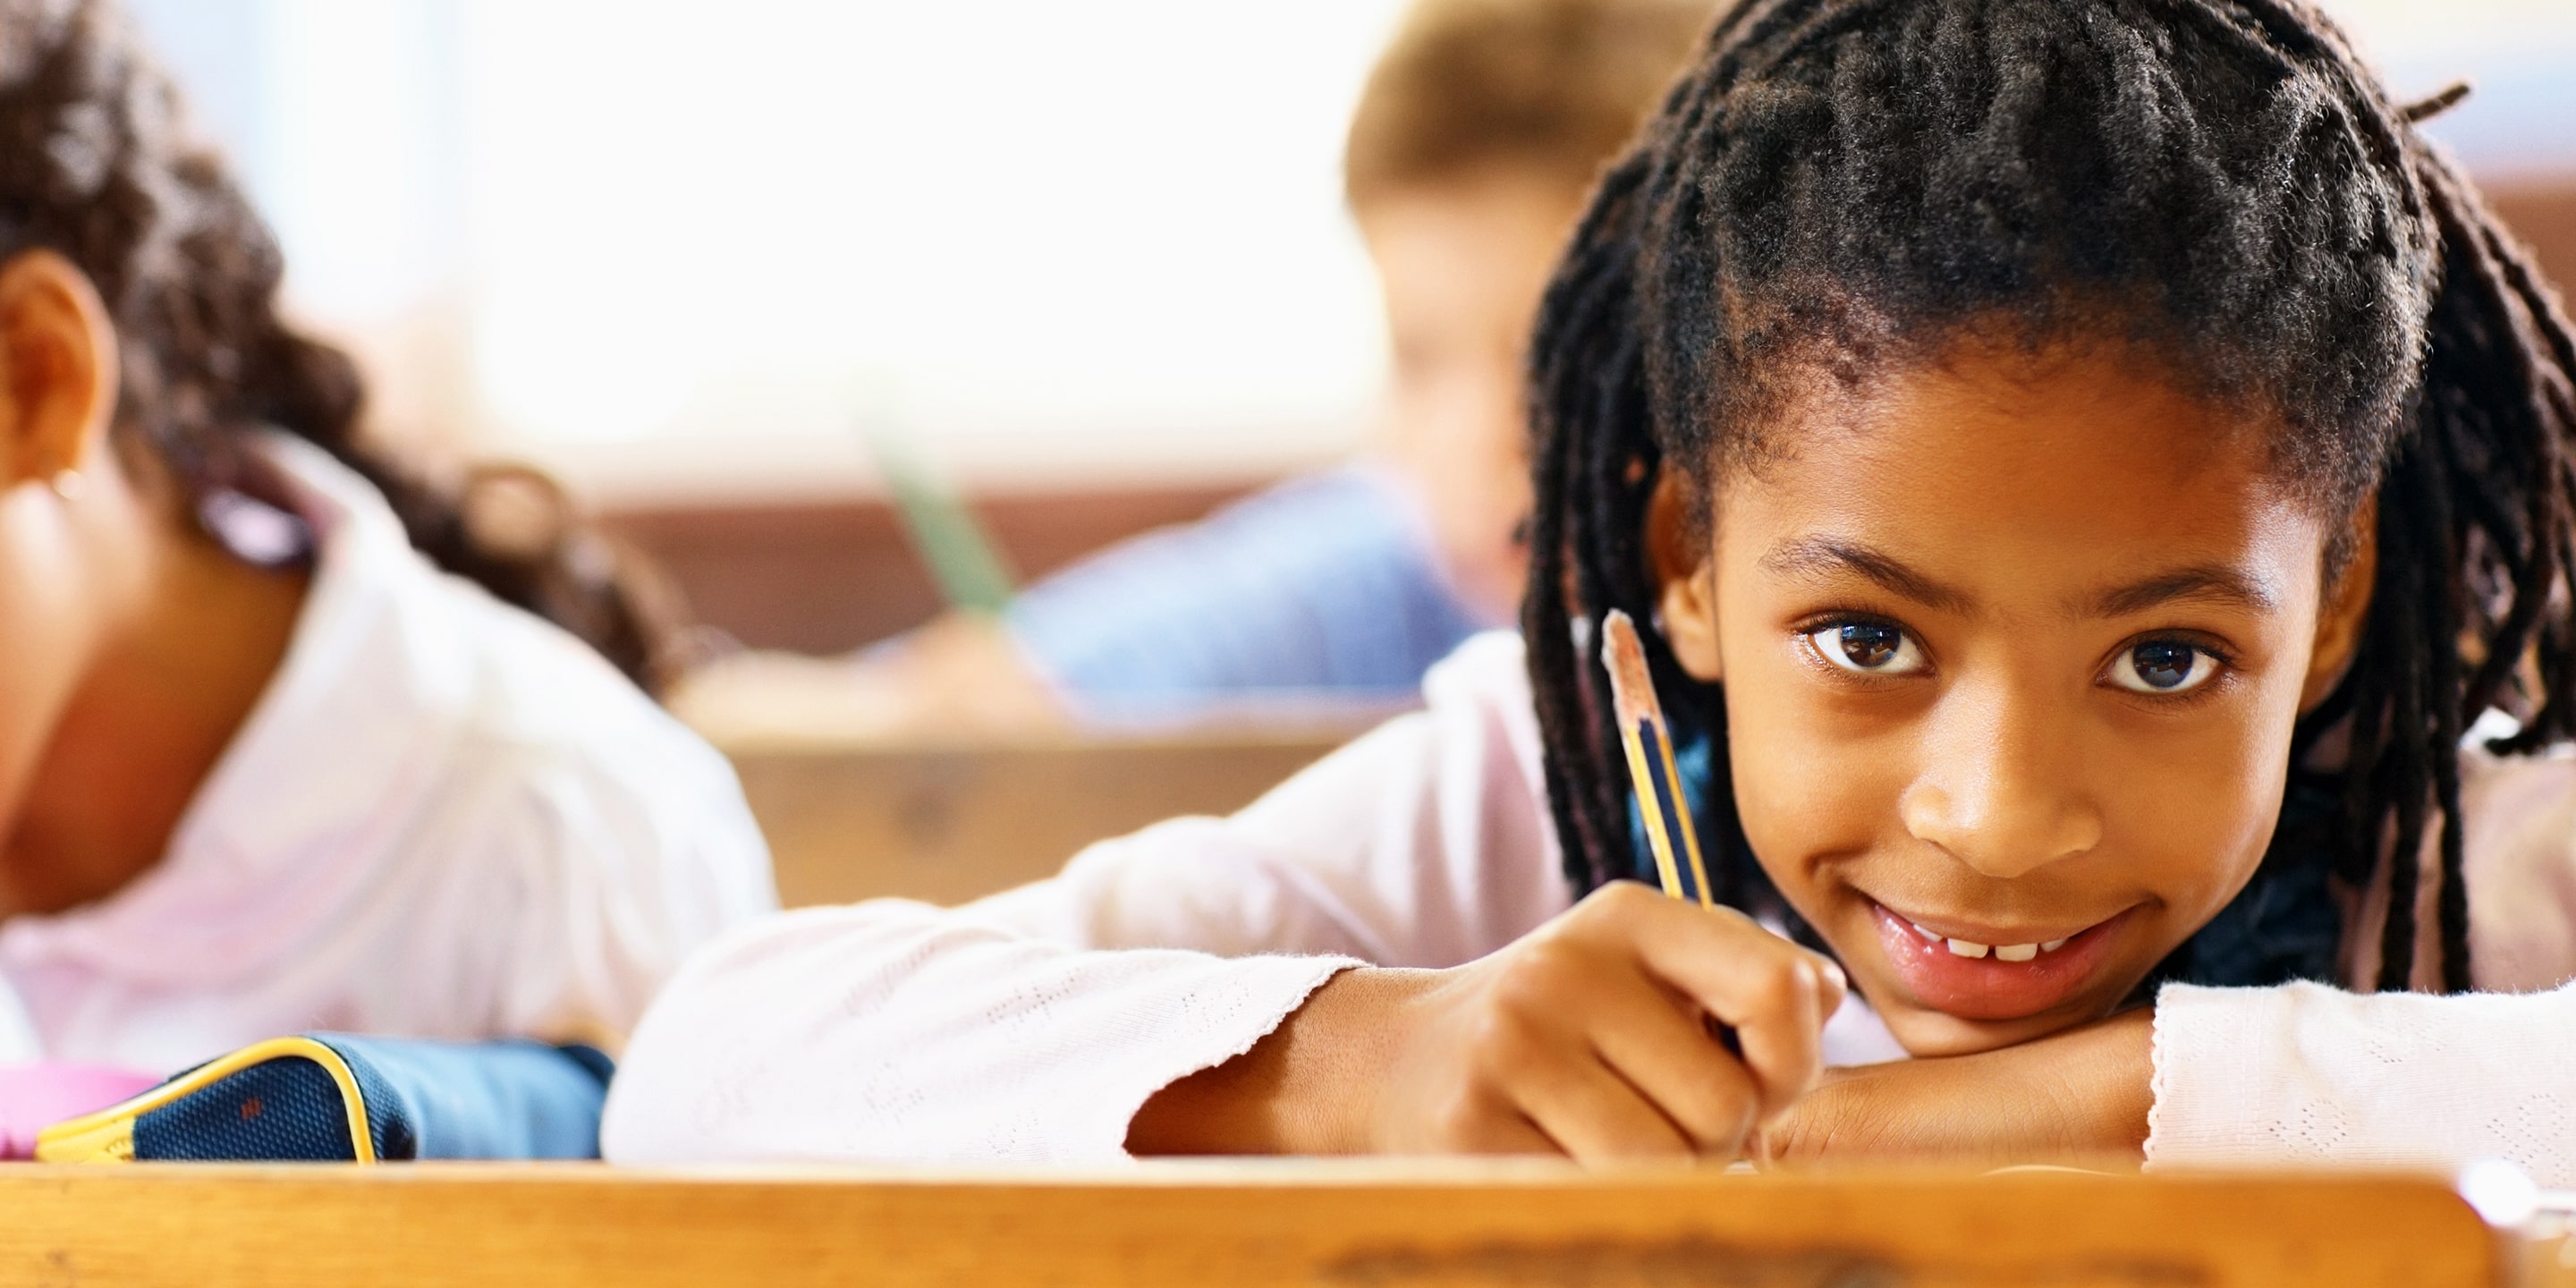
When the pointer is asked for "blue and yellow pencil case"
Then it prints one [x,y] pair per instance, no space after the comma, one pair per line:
[332,1097]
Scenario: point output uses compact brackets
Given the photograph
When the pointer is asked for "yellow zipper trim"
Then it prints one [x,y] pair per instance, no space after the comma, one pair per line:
[107,1136]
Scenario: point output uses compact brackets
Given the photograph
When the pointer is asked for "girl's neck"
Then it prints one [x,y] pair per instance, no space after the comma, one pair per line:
[165,697]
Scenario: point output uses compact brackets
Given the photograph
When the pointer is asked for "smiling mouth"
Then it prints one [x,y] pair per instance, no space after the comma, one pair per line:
[1975,979]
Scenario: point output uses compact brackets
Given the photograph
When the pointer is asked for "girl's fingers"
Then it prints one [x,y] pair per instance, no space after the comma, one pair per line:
[1671,1058]
[1592,1113]
[1774,994]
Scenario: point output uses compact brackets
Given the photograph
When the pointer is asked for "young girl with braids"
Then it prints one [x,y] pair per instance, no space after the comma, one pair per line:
[263,768]
[2103,488]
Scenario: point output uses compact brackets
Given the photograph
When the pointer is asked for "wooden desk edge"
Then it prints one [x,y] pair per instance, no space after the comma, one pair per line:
[1372,1223]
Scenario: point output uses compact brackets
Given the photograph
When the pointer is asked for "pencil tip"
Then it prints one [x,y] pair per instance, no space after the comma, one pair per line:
[1632,689]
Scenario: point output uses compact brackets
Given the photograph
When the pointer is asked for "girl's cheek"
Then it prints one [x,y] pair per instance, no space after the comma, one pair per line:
[1811,781]
[2199,809]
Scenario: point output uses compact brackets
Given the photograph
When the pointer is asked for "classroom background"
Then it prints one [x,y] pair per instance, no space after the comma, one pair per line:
[1087,272]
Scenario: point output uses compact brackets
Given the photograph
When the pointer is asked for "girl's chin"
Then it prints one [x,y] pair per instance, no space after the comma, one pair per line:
[1926,1034]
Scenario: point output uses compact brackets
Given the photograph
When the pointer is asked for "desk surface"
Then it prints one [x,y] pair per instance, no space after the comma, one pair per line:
[1232,1223]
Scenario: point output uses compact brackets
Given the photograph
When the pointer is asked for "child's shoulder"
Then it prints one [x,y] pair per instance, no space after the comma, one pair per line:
[1485,682]
[549,738]
[1480,709]
[1487,667]
[2510,792]
[2519,834]
[483,701]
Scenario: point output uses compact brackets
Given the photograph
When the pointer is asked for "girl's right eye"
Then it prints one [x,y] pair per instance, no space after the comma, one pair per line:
[1868,648]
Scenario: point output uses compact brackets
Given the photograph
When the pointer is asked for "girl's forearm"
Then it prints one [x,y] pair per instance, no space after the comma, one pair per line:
[2086,1092]
[1305,1088]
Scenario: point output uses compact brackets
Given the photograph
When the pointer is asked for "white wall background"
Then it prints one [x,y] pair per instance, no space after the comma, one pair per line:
[690,248]
[687,249]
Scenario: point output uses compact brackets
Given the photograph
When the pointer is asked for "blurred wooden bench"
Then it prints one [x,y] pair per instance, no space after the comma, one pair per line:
[1395,1225]
[949,823]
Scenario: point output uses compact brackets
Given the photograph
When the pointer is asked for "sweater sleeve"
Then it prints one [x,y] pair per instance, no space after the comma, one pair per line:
[1030,1026]
[2310,1073]
[896,1031]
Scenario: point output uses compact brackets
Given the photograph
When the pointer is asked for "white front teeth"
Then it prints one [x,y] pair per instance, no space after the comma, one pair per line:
[1971,948]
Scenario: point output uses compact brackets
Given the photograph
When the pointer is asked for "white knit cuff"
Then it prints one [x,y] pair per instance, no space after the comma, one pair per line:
[2305,1073]
[2218,1058]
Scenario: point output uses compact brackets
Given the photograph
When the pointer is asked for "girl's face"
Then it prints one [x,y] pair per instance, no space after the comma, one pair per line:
[2012,648]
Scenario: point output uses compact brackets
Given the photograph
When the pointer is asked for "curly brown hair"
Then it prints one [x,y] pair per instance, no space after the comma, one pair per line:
[98,164]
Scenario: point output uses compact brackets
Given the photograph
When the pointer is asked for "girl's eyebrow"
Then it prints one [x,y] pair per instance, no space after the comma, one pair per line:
[2210,583]
[1816,557]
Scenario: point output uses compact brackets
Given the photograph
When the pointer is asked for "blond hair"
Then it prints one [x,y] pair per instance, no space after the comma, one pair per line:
[1552,86]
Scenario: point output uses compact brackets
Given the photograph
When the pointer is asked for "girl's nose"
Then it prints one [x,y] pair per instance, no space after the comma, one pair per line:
[1996,791]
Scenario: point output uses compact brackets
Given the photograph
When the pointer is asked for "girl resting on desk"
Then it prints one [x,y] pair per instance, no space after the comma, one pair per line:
[2091,464]
[264,767]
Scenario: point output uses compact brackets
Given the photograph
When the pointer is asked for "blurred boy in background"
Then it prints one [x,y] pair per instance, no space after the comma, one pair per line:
[1477,138]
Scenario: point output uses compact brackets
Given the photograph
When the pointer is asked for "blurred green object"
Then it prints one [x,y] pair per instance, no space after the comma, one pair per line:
[951,540]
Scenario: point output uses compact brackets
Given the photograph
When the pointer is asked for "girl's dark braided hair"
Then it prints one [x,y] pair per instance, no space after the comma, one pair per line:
[96,164]
[1837,184]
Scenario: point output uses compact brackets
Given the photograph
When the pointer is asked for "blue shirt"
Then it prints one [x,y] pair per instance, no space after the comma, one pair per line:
[1323,586]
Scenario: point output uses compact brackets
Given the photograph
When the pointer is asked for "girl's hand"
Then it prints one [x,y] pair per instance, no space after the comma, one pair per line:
[2083,1093]
[1589,1037]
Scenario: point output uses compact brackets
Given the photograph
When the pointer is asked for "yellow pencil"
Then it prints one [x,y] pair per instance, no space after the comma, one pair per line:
[1650,760]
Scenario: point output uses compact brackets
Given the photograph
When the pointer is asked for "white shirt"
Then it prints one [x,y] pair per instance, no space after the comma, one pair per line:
[445,818]
[1031,1026]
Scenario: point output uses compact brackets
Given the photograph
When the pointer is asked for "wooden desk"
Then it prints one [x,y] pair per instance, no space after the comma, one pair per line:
[1234,1223]
[948,824]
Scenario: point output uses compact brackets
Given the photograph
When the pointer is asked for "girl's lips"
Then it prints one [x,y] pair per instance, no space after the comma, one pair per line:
[1987,987]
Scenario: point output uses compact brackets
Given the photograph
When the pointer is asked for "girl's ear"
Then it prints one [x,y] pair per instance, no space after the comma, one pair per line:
[58,370]
[2347,606]
[1686,598]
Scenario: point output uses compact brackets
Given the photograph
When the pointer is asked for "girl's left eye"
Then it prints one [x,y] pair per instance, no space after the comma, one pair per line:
[2163,667]
[1868,648]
